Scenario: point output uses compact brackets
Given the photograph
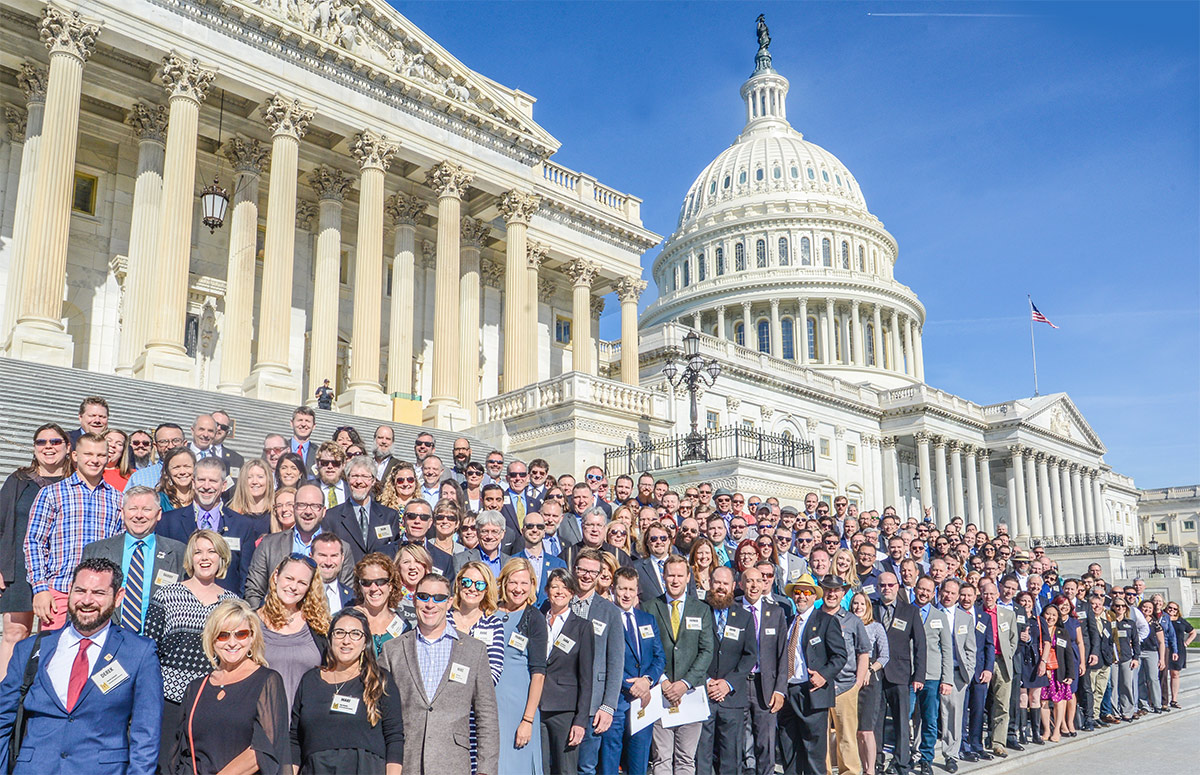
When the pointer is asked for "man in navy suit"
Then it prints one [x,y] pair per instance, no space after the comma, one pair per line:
[329,553]
[981,678]
[644,664]
[361,521]
[119,710]
[517,500]
[542,561]
[768,678]
[207,512]
[728,683]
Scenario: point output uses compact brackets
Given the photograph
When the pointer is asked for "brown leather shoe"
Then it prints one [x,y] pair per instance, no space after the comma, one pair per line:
[998,751]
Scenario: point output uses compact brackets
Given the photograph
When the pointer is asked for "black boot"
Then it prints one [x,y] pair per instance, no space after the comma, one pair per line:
[1035,727]
[1022,716]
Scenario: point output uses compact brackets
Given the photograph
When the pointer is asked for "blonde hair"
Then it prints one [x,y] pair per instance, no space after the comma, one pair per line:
[850,576]
[227,612]
[869,616]
[511,568]
[285,490]
[241,493]
[413,551]
[314,608]
[488,604]
[218,543]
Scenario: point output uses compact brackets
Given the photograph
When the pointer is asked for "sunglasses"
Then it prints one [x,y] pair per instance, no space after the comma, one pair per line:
[517,475]
[621,533]
[226,636]
[474,473]
[222,427]
[594,478]
[304,558]
[558,497]
[328,463]
[50,442]
[132,443]
[478,585]
[445,518]
[417,517]
[657,539]
[368,583]
[496,462]
[534,526]
[439,597]
[423,444]
[404,479]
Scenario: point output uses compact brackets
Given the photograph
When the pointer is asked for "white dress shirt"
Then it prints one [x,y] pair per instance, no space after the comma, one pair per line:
[333,597]
[801,674]
[555,629]
[59,667]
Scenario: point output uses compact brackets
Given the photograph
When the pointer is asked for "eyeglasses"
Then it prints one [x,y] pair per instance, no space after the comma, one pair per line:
[594,477]
[445,518]
[534,526]
[350,455]
[585,572]
[274,450]
[559,497]
[354,636]
[51,442]
[368,583]
[226,636]
[804,540]
[328,463]
[479,585]
[517,474]
[495,461]
[474,473]
[438,597]
[619,533]
[223,427]
[309,507]
[132,443]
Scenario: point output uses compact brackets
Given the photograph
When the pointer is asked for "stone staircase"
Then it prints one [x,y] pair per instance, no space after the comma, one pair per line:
[37,393]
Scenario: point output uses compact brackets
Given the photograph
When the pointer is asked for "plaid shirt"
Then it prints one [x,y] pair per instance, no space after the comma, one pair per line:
[433,656]
[64,518]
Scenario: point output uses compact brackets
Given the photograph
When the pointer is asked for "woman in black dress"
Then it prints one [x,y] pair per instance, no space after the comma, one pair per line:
[236,717]
[346,715]
[1184,635]
[50,464]
[567,692]
[1029,655]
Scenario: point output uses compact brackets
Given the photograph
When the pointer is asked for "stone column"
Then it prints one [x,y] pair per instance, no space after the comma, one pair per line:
[697,319]
[450,181]
[1044,497]
[972,476]
[404,210]
[1018,521]
[597,308]
[248,157]
[776,334]
[1089,505]
[1056,502]
[857,332]
[535,254]
[517,207]
[272,378]
[1034,495]
[985,492]
[912,348]
[1078,510]
[26,128]
[925,479]
[331,185]
[830,336]
[1068,505]
[897,356]
[473,234]
[149,123]
[942,518]
[918,354]
[801,329]
[629,290]
[38,334]
[164,359]
[581,273]
[956,481]
[363,395]
[844,328]
[721,322]
[877,339]
[891,473]
[1103,523]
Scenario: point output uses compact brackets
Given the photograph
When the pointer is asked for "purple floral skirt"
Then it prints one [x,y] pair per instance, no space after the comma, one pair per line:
[1057,691]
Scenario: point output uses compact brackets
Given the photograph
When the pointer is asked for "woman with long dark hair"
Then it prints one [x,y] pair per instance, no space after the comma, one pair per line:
[1056,663]
[290,471]
[1074,631]
[346,715]
[1029,650]
[175,484]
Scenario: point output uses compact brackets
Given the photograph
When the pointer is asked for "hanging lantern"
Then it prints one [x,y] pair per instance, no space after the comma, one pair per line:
[214,201]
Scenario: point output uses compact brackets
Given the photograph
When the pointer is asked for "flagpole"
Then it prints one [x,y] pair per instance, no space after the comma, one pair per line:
[1032,345]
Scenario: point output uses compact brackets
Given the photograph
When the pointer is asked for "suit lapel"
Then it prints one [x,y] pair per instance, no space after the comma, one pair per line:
[414,665]
[454,648]
[111,643]
[48,646]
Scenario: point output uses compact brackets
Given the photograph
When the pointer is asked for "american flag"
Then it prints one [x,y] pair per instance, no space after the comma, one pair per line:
[1037,316]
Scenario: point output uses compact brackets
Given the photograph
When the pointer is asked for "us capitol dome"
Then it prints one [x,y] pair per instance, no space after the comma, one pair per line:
[776,251]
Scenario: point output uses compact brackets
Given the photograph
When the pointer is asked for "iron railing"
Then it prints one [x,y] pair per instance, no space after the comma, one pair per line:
[1142,551]
[1082,539]
[723,444]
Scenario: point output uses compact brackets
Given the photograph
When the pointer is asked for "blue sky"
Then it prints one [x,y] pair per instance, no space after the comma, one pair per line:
[1011,148]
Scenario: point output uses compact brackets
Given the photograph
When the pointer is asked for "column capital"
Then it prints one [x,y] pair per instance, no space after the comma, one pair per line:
[581,271]
[373,150]
[32,79]
[535,254]
[518,206]
[546,289]
[185,77]
[746,307]
[887,442]
[597,305]
[1016,450]
[66,32]
[939,442]
[449,179]
[1040,457]
[246,155]
[955,446]
[17,120]
[970,450]
[474,232]
[830,301]
[286,116]
[149,122]
[403,208]
[306,211]
[922,437]
[330,183]
[493,274]
[774,305]
[855,304]
[983,453]
[720,307]
[629,289]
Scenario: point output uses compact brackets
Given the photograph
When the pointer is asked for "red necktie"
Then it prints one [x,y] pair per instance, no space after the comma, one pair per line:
[79,674]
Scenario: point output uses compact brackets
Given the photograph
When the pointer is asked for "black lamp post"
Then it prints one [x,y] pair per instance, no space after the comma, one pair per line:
[1153,547]
[695,371]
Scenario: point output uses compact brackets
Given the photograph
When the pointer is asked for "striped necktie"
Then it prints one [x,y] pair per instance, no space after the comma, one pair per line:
[131,608]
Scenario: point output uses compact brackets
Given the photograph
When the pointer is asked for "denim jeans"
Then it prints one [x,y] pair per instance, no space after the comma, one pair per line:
[926,704]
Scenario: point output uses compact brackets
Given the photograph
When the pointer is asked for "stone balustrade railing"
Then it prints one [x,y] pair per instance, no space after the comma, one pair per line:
[610,351]
[579,187]
[923,394]
[573,387]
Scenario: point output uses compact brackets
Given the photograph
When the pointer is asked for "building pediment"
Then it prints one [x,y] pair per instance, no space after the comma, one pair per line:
[1057,415]
[368,35]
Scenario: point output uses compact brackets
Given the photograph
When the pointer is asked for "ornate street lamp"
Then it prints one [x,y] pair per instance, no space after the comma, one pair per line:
[1153,547]
[214,199]
[695,371]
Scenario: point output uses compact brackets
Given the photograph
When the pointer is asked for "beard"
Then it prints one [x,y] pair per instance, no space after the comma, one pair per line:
[91,620]
[719,601]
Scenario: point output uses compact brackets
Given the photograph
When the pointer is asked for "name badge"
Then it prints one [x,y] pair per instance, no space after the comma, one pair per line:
[483,636]
[164,577]
[701,593]
[518,641]
[815,640]
[110,677]
[438,571]
[459,673]
[343,704]
[732,632]
[692,622]
[962,630]
[1020,619]
[1003,626]
[598,628]
[564,644]
[1060,642]
[646,631]
[899,624]
[981,627]
[1122,634]
[769,631]
[935,623]
[235,543]
[383,532]
[396,627]
[868,589]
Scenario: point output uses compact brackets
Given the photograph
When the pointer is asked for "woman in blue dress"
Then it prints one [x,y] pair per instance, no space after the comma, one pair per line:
[524,672]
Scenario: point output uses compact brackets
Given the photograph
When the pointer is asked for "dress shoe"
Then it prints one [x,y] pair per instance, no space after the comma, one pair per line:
[951,765]
[967,756]
[999,752]
[984,755]
[1015,746]
[926,768]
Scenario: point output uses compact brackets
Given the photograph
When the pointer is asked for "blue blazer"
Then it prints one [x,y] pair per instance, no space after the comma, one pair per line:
[548,561]
[985,643]
[106,734]
[181,523]
[653,659]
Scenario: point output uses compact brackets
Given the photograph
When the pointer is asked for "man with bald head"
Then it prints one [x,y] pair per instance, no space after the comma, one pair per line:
[204,433]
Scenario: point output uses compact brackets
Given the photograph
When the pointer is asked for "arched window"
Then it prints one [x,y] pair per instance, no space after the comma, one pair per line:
[739,257]
[824,176]
[862,261]
[764,336]
[805,251]
[869,343]
[845,255]
[784,258]
[727,181]
[886,341]
[739,333]
[787,330]
[810,174]
[700,267]
[712,189]
[826,252]
[838,178]
[837,343]
[686,269]
[777,173]
[795,172]
[742,178]
[812,339]
[758,174]
[720,252]
[760,254]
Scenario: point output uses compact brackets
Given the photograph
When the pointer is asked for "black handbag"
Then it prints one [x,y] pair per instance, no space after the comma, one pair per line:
[18,729]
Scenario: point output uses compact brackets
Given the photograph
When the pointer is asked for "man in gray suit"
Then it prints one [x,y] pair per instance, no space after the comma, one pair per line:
[608,656]
[149,561]
[489,525]
[560,532]
[939,670]
[298,539]
[1004,673]
[962,630]
[442,677]
[768,678]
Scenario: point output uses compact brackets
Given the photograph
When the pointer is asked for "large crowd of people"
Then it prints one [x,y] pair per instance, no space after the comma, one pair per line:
[345,606]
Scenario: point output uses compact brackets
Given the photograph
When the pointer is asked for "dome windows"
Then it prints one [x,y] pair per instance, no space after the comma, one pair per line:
[712,188]
[739,257]
[760,254]
[838,178]
[758,174]
[811,176]
[826,252]
[845,255]
[805,252]
[700,267]
[739,334]
[811,338]
[824,176]
[784,258]
[862,261]
[686,271]
[764,336]
[869,343]
[787,329]
[742,178]
[727,182]
[795,172]
[720,256]
[777,173]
